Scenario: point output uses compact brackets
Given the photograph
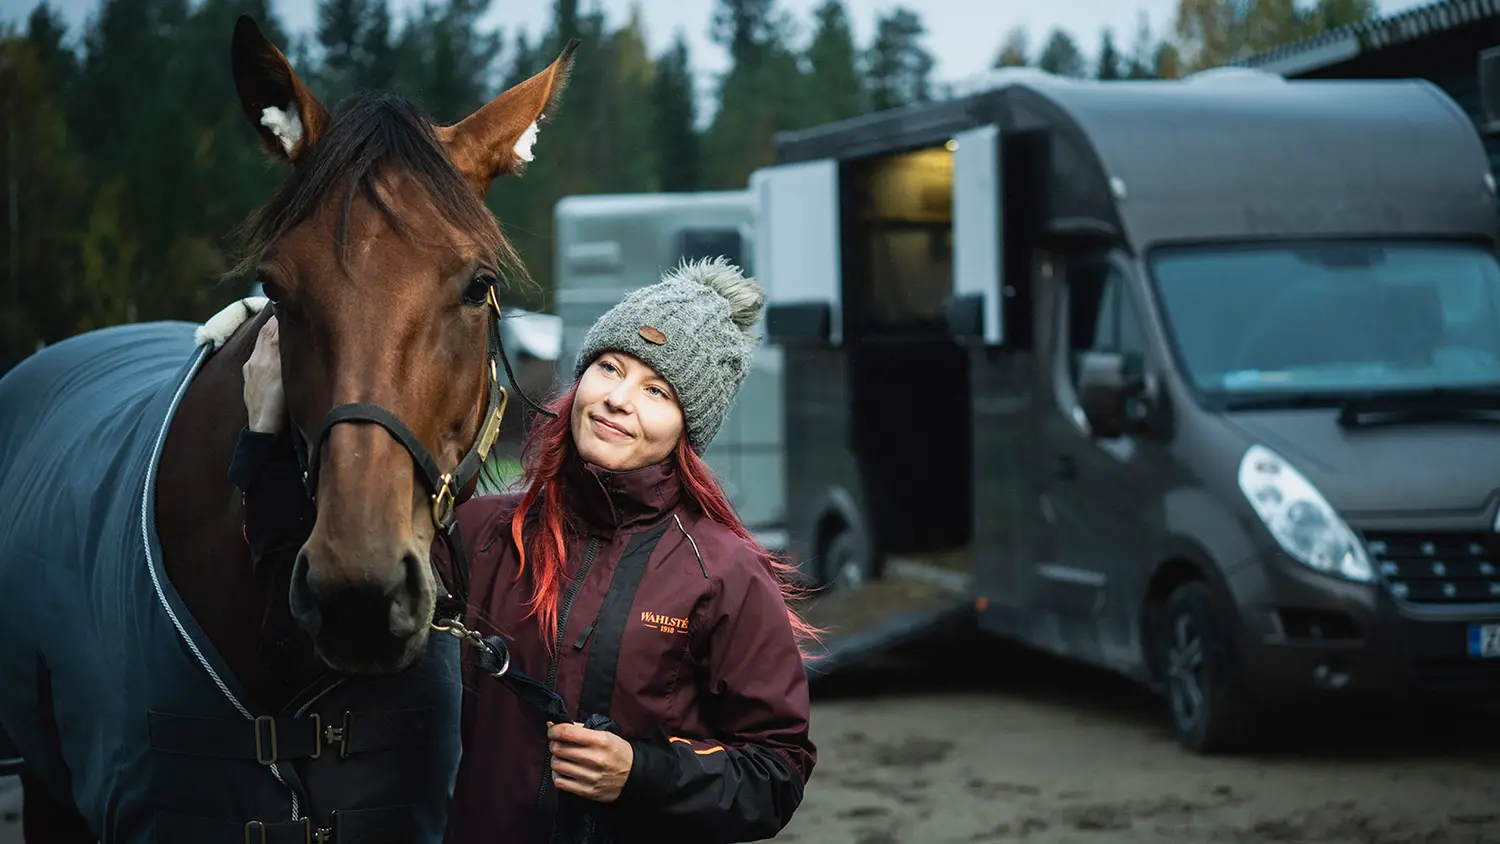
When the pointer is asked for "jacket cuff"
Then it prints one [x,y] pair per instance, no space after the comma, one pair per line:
[251,453]
[650,772]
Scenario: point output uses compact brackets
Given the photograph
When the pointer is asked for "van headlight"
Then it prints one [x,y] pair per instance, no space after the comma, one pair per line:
[1303,522]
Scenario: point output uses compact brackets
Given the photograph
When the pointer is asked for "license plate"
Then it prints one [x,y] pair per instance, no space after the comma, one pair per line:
[1484,641]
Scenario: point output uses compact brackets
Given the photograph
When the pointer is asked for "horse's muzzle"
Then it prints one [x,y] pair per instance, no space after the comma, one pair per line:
[368,623]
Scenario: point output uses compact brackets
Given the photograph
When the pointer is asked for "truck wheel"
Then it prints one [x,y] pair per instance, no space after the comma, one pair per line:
[1209,706]
[845,565]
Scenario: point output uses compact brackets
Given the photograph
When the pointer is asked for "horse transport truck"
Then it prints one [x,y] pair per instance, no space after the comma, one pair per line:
[1197,381]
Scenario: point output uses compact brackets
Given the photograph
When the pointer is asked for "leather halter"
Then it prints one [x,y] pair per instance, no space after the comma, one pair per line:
[443,487]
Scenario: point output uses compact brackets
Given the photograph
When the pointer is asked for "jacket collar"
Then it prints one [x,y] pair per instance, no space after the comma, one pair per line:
[607,503]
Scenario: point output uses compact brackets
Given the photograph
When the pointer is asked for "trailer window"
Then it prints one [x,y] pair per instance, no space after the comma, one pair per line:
[696,244]
[1332,316]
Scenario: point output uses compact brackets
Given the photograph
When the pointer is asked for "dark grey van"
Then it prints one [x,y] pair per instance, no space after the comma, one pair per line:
[1197,381]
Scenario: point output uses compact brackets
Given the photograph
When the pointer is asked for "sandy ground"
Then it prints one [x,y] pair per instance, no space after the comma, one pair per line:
[924,749]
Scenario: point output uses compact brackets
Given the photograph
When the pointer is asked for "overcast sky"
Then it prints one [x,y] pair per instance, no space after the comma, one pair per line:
[964,35]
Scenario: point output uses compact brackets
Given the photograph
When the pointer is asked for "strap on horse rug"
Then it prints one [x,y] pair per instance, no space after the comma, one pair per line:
[102,664]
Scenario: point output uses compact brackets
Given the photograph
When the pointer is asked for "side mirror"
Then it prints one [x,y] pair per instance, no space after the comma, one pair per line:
[1109,391]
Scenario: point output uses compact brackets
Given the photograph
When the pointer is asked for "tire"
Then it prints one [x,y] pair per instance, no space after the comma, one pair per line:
[1207,701]
[845,564]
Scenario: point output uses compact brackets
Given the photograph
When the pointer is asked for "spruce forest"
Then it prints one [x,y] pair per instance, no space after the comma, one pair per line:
[128,164]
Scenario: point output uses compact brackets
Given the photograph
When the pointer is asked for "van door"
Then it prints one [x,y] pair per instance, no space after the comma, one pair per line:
[1093,490]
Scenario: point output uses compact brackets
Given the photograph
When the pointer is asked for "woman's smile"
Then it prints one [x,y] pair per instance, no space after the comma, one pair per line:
[609,430]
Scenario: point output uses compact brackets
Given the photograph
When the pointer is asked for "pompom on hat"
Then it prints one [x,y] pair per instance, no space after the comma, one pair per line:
[693,328]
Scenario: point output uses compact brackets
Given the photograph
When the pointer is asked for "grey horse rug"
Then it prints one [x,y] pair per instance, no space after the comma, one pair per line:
[110,692]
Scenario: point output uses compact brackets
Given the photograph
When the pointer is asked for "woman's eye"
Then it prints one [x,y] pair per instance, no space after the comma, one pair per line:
[477,291]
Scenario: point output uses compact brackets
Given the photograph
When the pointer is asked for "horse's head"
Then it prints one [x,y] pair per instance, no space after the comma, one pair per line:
[379,255]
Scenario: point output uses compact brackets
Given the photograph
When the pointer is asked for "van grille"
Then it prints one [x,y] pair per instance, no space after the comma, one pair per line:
[1438,568]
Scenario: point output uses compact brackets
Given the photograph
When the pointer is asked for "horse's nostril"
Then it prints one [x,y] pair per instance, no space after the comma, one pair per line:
[406,603]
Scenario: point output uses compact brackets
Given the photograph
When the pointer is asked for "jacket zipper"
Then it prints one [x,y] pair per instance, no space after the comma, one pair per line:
[562,630]
[583,638]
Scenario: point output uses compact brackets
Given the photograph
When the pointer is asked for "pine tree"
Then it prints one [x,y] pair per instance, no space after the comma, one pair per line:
[357,49]
[1109,58]
[899,68]
[1061,56]
[674,115]
[444,59]
[1142,63]
[763,92]
[835,87]
[745,27]
[624,150]
[46,31]
[1013,51]
[46,193]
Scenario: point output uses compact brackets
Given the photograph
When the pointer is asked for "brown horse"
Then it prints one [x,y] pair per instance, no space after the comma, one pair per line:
[381,262]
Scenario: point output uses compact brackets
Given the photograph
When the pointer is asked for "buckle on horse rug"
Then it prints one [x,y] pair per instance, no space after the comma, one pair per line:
[255,832]
[265,748]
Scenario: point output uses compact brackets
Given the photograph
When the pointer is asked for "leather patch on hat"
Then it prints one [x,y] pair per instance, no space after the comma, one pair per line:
[652,335]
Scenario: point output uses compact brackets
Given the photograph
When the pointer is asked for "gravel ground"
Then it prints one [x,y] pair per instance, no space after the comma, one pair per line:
[920,748]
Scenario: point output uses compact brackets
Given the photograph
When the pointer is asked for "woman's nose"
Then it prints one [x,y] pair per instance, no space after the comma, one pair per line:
[619,398]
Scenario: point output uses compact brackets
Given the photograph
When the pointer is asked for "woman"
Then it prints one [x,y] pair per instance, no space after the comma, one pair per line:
[623,578]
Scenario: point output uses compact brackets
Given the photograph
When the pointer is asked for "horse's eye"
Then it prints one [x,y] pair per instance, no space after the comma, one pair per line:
[477,291]
[271,291]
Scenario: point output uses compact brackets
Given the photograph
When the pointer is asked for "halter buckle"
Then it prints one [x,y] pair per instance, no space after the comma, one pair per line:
[491,430]
[442,502]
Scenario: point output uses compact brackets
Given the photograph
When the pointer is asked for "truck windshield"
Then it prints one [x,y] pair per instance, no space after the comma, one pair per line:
[1346,318]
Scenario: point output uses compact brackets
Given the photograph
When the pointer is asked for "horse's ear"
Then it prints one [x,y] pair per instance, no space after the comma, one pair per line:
[282,109]
[497,139]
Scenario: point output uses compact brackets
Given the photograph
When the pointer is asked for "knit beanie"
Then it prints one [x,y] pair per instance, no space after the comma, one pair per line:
[693,328]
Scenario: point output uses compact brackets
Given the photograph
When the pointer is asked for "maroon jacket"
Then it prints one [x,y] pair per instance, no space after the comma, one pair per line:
[707,686]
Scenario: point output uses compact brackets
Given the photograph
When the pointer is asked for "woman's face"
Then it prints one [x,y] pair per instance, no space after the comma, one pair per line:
[625,416]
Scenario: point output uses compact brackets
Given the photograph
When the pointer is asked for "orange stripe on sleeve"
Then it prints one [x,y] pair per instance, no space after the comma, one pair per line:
[714,749]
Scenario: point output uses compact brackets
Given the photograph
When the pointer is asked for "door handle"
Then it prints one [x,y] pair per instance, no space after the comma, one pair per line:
[1064,466]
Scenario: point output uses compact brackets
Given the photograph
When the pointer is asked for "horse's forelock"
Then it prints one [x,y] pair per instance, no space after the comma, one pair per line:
[371,137]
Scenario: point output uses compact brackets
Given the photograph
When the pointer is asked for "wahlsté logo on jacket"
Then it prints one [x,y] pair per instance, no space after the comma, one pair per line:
[666,623]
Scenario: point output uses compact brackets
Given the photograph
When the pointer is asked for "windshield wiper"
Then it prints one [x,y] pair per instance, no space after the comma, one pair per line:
[1437,403]
[1278,401]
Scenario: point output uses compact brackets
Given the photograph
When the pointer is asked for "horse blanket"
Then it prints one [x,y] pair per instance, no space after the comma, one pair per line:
[110,692]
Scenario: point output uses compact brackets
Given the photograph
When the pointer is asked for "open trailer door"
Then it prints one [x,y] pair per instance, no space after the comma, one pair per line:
[921,225]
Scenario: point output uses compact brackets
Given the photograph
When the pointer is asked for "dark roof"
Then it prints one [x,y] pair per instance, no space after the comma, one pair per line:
[1346,42]
[1209,161]
[1166,161]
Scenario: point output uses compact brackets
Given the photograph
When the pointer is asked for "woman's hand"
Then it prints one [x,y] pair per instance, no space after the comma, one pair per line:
[265,401]
[593,764]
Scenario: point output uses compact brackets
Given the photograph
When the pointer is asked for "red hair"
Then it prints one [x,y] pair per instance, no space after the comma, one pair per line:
[548,447]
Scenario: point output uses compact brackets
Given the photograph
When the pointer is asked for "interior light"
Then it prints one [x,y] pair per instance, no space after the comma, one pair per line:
[952,145]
